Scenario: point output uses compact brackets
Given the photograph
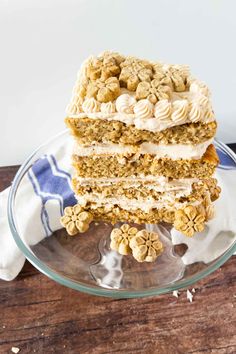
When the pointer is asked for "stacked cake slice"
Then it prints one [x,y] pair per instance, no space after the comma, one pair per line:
[143,149]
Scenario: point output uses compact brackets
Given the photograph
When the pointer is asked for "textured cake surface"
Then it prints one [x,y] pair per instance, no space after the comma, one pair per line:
[126,166]
[143,135]
[88,131]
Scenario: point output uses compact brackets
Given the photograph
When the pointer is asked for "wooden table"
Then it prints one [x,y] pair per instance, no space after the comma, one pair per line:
[38,315]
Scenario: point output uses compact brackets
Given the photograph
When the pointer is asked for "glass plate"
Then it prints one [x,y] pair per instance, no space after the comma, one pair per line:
[85,262]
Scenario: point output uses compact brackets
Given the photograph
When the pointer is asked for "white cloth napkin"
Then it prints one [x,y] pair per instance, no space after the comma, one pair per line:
[45,191]
[42,195]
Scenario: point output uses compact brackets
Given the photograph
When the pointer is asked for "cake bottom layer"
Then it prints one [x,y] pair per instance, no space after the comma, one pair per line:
[117,214]
[141,204]
[98,166]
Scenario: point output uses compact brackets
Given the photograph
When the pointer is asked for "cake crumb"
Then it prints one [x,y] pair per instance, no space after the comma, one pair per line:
[3,326]
[176,293]
[189,296]
[15,350]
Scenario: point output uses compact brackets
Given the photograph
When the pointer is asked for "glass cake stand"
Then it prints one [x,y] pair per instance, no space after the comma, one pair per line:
[38,194]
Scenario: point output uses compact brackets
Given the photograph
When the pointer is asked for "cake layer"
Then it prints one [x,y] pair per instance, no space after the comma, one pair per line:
[122,166]
[88,131]
[114,206]
[114,214]
[146,192]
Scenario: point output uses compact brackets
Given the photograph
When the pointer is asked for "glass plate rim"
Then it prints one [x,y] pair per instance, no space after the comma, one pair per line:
[90,289]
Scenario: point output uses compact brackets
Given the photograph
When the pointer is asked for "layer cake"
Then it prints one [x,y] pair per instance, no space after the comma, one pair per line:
[143,135]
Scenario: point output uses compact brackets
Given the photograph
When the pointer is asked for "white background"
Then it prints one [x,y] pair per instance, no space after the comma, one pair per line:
[44,41]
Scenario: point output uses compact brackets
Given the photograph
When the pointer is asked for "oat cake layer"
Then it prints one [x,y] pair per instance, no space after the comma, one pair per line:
[145,199]
[114,214]
[88,131]
[120,166]
[192,191]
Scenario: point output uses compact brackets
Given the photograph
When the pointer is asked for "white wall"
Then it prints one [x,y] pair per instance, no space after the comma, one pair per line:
[44,41]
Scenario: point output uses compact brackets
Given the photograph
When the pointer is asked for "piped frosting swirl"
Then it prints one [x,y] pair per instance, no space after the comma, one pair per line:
[108,108]
[195,112]
[162,110]
[202,100]
[209,115]
[72,108]
[199,87]
[144,109]
[125,104]
[180,111]
[90,105]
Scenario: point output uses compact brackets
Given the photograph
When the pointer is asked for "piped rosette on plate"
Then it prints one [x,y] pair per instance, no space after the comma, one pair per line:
[143,149]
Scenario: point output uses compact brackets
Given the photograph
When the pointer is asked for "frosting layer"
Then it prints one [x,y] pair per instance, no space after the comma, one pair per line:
[149,95]
[132,204]
[159,183]
[174,151]
[183,107]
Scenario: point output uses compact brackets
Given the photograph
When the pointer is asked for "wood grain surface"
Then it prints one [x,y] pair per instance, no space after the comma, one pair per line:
[38,315]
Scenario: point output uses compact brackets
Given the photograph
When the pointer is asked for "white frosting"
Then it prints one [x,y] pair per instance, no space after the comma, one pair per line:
[144,109]
[201,100]
[152,124]
[90,105]
[125,104]
[184,107]
[180,111]
[199,87]
[172,151]
[183,111]
[180,187]
[130,204]
[145,204]
[72,108]
[108,107]
[195,112]
[163,110]
[209,115]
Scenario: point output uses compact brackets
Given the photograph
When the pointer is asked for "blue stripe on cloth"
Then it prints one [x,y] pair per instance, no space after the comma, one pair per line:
[58,169]
[50,183]
[226,162]
[43,214]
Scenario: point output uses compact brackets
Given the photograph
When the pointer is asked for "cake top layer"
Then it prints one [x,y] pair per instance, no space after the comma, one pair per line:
[133,90]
